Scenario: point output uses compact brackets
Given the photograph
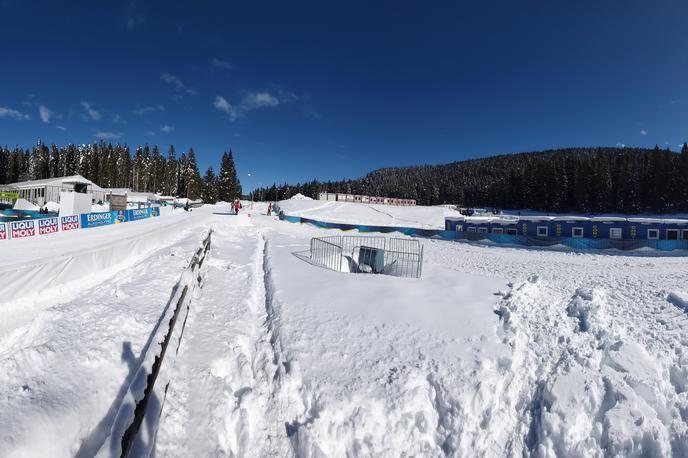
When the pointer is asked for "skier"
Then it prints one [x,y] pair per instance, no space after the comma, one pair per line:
[237,205]
[269,208]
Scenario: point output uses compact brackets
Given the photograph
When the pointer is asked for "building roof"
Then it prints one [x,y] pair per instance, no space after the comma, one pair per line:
[57,181]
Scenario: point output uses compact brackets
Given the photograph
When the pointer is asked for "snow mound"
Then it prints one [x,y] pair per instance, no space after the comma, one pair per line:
[299,196]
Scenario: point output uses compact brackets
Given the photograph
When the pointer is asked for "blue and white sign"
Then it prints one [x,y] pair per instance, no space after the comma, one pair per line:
[22,229]
[138,213]
[99,219]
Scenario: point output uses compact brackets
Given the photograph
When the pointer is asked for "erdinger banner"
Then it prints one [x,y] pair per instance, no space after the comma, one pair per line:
[3,231]
[138,213]
[101,219]
[21,229]
[70,222]
[47,226]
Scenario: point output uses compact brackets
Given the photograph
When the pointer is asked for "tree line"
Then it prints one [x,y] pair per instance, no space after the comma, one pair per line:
[113,166]
[582,180]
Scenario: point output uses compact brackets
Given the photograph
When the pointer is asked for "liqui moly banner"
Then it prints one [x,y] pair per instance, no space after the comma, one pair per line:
[47,226]
[70,222]
[20,229]
[3,231]
[138,213]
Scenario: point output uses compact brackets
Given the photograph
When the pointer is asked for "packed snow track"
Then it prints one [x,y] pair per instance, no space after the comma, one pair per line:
[494,352]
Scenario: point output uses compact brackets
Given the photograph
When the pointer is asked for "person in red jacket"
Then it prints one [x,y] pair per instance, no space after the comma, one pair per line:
[237,206]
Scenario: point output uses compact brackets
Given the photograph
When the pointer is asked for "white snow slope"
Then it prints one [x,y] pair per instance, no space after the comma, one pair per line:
[496,351]
[378,215]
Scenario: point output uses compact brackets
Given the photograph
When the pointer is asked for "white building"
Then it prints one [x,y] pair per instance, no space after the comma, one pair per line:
[39,192]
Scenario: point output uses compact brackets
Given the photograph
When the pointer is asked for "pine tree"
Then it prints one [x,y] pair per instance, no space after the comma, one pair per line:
[229,187]
[172,173]
[210,186]
[192,177]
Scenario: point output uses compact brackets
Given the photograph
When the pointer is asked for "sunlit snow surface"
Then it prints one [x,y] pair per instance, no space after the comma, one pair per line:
[495,351]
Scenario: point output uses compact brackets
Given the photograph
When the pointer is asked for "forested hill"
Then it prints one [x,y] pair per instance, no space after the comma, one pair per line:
[627,180]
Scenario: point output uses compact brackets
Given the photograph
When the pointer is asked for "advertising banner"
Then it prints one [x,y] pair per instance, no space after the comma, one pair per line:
[47,226]
[155,211]
[21,229]
[138,213]
[3,231]
[70,222]
[101,219]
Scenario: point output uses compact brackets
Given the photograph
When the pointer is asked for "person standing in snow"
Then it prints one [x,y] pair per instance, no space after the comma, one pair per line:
[237,205]
[269,208]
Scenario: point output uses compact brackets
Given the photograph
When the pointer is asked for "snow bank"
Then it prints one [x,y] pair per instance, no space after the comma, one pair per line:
[368,214]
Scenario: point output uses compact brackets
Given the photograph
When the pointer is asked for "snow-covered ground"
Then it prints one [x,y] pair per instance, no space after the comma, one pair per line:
[495,351]
[377,215]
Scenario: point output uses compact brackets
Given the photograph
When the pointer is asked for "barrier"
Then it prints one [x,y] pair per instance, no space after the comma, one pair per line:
[48,225]
[137,214]
[101,219]
[3,231]
[69,223]
[21,229]
[507,239]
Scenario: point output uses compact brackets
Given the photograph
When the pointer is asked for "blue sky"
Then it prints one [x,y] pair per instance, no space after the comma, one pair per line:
[315,89]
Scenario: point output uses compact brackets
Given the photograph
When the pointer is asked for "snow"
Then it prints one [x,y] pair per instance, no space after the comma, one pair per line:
[377,215]
[299,196]
[495,351]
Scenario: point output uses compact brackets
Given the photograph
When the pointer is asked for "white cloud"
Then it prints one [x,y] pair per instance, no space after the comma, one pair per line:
[148,109]
[177,84]
[62,128]
[219,63]
[167,129]
[223,105]
[45,113]
[91,112]
[151,133]
[9,113]
[643,132]
[250,101]
[108,135]
[254,100]
[621,145]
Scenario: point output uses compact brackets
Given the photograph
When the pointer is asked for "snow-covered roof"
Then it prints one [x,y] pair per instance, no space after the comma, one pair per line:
[57,181]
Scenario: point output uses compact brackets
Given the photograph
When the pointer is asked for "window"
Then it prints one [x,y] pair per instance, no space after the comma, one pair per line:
[512,231]
[497,230]
[672,234]
[542,231]
[482,230]
[459,228]
[471,229]
[684,234]
[653,234]
[577,232]
[615,233]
